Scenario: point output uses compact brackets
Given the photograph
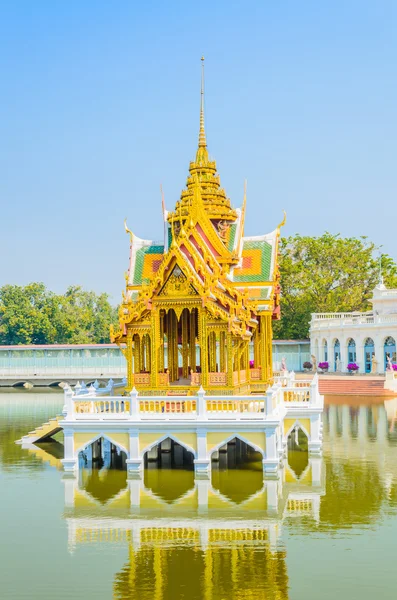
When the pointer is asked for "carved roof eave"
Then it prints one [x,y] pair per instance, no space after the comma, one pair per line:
[208,295]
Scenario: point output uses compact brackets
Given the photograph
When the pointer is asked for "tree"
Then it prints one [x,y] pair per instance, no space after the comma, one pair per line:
[326,274]
[27,314]
[33,315]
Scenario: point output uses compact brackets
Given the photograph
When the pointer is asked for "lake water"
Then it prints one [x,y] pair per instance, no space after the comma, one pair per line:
[326,529]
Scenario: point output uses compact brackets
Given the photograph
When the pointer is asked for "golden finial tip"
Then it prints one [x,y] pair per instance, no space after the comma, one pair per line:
[202,58]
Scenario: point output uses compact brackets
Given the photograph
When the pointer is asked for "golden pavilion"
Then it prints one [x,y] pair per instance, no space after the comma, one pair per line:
[198,306]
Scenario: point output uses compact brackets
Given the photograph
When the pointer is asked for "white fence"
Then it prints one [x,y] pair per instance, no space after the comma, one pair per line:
[92,404]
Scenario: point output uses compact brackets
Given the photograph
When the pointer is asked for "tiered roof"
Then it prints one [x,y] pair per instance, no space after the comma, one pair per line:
[205,253]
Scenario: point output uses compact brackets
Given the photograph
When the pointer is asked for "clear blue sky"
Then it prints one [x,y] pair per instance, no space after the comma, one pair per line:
[100,104]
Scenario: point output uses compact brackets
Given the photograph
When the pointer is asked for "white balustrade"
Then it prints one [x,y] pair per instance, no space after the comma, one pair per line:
[88,404]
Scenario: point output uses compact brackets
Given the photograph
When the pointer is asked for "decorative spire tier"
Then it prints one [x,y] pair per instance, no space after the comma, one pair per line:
[216,203]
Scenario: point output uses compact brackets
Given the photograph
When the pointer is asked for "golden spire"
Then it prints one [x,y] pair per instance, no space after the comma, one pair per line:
[202,138]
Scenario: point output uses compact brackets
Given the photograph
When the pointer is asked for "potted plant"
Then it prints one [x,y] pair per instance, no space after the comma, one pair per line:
[323,366]
[307,366]
[352,368]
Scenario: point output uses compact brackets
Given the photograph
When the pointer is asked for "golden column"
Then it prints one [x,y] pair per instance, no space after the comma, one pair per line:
[212,351]
[130,378]
[203,347]
[155,347]
[266,347]
[137,353]
[185,343]
[222,351]
[229,370]
[192,340]
[161,348]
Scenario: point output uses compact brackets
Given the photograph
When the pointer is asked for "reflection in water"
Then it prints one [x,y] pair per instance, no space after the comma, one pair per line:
[228,537]
[172,563]
[238,486]
[169,485]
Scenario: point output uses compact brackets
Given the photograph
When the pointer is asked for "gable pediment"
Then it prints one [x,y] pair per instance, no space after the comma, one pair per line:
[177,285]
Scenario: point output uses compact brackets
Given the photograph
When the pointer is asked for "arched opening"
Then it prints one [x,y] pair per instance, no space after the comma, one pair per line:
[369,353]
[55,384]
[236,454]
[168,454]
[351,351]
[102,469]
[169,470]
[237,470]
[337,361]
[389,353]
[102,453]
[298,451]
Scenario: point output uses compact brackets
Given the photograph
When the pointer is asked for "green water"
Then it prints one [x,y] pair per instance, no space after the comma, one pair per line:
[327,529]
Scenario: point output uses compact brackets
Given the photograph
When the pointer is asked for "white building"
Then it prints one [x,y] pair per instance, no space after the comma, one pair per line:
[367,339]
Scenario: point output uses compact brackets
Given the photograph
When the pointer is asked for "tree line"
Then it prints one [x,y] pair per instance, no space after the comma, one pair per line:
[32,314]
[318,274]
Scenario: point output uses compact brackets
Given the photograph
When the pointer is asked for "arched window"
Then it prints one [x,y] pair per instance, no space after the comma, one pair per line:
[351,351]
[337,365]
[369,350]
[389,351]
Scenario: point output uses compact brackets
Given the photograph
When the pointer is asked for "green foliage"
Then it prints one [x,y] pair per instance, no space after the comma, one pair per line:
[326,274]
[32,314]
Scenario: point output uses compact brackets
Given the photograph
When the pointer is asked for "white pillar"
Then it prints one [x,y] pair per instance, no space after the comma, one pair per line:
[70,484]
[134,462]
[201,404]
[316,464]
[202,486]
[202,463]
[272,494]
[315,434]
[67,410]
[134,486]
[379,351]
[134,407]
[271,462]
[69,461]
[343,354]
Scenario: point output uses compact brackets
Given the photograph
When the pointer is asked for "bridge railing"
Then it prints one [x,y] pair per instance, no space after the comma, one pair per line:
[91,404]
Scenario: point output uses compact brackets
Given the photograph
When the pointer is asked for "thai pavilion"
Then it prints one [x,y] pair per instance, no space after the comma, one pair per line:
[198,302]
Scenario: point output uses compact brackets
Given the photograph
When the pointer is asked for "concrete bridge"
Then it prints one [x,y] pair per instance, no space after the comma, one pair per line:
[50,365]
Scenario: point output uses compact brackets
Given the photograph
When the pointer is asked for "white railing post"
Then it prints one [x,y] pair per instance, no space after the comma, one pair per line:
[134,408]
[314,390]
[201,403]
[67,410]
[269,400]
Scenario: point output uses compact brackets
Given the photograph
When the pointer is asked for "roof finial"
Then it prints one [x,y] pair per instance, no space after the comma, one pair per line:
[202,139]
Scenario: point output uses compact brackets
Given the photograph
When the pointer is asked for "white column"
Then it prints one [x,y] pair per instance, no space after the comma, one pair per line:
[362,424]
[315,434]
[67,410]
[202,486]
[69,461]
[134,462]
[379,350]
[70,484]
[202,463]
[344,354]
[134,405]
[201,404]
[271,462]
[316,464]
[134,486]
[272,494]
